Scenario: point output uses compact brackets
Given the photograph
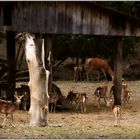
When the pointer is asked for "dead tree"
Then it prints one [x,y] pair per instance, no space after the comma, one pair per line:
[38,83]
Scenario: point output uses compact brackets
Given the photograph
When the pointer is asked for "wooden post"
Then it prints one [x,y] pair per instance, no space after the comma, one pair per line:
[118,71]
[11,72]
[48,46]
[38,83]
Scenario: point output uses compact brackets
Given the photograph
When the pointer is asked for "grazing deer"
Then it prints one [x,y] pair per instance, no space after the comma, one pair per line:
[98,64]
[78,70]
[101,92]
[81,99]
[53,99]
[9,107]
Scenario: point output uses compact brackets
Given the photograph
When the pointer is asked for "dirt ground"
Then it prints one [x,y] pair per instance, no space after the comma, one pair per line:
[96,123]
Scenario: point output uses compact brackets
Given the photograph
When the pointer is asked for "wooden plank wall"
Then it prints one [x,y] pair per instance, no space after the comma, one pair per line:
[71,18]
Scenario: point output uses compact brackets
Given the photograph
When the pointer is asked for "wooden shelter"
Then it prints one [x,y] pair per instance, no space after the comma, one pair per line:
[75,17]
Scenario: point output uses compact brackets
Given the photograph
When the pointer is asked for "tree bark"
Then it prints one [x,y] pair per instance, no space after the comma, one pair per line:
[38,82]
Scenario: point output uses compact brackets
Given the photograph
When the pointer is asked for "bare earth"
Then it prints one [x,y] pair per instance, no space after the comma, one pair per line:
[96,123]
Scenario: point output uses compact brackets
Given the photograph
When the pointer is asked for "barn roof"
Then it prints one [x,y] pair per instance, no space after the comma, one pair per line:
[66,17]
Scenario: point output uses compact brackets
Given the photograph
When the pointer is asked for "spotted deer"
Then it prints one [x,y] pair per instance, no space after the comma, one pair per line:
[101,93]
[81,99]
[71,98]
[78,71]
[126,94]
[9,107]
[53,99]
[117,111]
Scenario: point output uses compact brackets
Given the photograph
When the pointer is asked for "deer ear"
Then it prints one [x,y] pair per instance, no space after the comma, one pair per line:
[15,96]
[21,96]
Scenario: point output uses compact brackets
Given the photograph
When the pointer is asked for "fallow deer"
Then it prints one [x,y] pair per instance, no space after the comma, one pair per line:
[98,64]
[53,99]
[101,92]
[81,99]
[126,94]
[78,71]
[9,107]
[117,111]
[71,98]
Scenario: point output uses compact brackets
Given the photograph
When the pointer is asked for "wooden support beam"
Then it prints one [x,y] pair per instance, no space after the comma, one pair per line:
[118,71]
[48,46]
[11,72]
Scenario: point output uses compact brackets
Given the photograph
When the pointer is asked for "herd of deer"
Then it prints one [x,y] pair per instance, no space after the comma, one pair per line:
[9,107]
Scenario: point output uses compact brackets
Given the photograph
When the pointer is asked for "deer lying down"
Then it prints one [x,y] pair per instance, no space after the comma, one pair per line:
[9,107]
[116,111]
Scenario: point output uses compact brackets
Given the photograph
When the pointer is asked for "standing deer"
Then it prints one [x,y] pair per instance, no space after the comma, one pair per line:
[71,98]
[117,110]
[81,99]
[53,99]
[97,64]
[126,94]
[101,92]
[9,107]
[78,72]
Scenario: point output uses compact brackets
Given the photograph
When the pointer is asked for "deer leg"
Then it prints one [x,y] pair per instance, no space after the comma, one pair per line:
[81,105]
[98,103]
[98,76]
[75,76]
[119,117]
[80,76]
[77,106]
[12,120]
[5,118]
[116,120]
[88,75]
[51,107]
[104,74]
[54,107]
[105,100]
[84,108]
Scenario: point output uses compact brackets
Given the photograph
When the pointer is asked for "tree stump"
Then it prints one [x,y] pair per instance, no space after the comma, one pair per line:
[38,82]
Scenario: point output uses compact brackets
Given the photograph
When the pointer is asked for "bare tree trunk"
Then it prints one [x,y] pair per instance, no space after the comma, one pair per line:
[38,83]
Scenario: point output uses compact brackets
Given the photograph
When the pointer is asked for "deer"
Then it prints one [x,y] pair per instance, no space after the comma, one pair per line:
[101,92]
[71,98]
[116,109]
[78,71]
[126,94]
[98,64]
[9,107]
[81,99]
[53,99]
